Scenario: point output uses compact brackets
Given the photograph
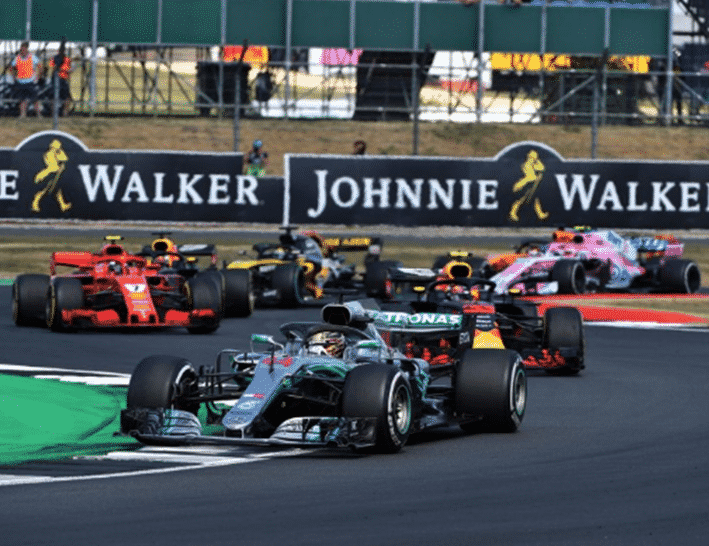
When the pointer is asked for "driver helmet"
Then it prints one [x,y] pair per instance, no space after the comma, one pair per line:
[257,144]
[162,261]
[114,267]
[534,251]
[327,343]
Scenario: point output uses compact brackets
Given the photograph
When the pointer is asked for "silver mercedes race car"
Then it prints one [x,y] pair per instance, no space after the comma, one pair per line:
[334,383]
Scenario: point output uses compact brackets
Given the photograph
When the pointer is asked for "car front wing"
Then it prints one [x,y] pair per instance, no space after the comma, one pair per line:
[177,427]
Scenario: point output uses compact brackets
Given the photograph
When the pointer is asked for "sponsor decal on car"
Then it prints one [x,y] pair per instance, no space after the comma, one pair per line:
[418,320]
[136,290]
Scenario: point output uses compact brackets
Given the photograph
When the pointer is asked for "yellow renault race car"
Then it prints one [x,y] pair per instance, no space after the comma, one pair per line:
[306,266]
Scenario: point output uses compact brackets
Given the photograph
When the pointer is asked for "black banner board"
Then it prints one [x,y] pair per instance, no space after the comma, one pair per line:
[527,184]
[53,175]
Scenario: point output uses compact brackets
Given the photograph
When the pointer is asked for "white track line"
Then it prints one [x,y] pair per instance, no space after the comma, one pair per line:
[9,479]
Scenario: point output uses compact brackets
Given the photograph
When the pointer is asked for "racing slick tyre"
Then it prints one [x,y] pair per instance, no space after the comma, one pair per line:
[563,329]
[490,390]
[202,294]
[216,277]
[440,262]
[382,392]
[681,276]
[65,294]
[479,266]
[571,276]
[29,300]
[161,382]
[289,281]
[377,278]
[238,293]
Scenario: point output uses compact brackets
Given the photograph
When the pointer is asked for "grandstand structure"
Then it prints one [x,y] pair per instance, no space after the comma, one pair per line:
[551,61]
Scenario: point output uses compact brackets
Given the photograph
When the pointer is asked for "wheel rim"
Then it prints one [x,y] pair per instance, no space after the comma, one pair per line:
[579,277]
[519,392]
[15,303]
[401,409]
[51,307]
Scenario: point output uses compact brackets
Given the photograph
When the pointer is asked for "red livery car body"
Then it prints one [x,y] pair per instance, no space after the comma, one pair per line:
[113,288]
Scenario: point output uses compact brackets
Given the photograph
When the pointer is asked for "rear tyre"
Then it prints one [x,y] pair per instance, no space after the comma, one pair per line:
[29,300]
[160,382]
[377,278]
[571,276]
[65,294]
[289,281]
[440,262]
[216,277]
[377,281]
[681,276]
[202,294]
[238,293]
[478,265]
[490,390]
[563,329]
[382,392]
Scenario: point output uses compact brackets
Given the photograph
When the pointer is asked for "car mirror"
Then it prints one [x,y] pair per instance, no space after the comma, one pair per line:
[265,340]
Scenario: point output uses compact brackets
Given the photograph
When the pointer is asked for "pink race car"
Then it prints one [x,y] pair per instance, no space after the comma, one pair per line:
[580,260]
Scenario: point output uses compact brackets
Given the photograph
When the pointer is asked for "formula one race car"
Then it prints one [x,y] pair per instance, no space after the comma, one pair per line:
[305,265]
[582,259]
[452,316]
[234,285]
[113,288]
[330,384]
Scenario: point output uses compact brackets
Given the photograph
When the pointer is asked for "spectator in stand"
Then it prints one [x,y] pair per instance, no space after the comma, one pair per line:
[61,63]
[257,160]
[360,147]
[27,69]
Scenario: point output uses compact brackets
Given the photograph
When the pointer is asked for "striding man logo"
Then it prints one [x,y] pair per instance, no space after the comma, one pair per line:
[55,161]
[533,171]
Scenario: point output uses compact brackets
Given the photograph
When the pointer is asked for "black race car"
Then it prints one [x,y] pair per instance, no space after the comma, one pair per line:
[235,287]
[443,319]
[334,383]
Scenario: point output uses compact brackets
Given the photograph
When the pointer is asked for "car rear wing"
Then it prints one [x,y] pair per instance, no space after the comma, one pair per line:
[186,250]
[661,245]
[198,250]
[346,244]
[70,258]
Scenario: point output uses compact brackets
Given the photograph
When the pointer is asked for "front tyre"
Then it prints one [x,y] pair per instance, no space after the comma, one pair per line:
[490,389]
[239,296]
[571,276]
[202,293]
[289,281]
[563,329]
[29,300]
[382,392]
[65,294]
[161,382]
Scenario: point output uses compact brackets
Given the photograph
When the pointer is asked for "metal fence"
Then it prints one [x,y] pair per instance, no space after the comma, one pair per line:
[375,74]
[342,84]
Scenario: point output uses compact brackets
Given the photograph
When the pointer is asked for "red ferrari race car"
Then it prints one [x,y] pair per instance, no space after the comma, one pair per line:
[113,288]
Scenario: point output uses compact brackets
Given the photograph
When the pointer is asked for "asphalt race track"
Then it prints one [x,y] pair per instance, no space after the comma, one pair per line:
[617,455]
